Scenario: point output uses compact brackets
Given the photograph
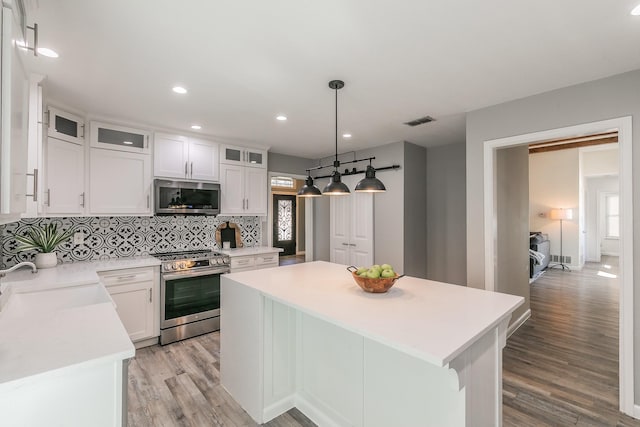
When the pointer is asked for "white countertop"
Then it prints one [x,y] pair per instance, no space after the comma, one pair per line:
[255,250]
[76,273]
[43,342]
[430,320]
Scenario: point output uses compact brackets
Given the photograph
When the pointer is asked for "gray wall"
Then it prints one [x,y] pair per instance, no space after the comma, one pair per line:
[289,164]
[446,214]
[512,207]
[603,99]
[415,210]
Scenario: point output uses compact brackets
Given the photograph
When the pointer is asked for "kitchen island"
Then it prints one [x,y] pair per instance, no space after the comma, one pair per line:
[425,353]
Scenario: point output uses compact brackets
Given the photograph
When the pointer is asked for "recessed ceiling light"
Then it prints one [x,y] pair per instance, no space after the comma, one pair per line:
[127,142]
[346,135]
[179,89]
[196,127]
[636,10]
[281,118]
[45,51]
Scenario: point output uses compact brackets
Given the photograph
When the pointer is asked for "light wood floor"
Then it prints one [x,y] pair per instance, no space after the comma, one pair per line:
[560,368]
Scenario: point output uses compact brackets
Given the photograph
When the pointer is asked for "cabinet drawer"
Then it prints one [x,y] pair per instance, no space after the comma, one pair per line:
[131,275]
[267,260]
[242,262]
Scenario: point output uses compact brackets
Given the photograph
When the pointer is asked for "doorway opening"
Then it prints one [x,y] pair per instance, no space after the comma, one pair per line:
[491,218]
[287,217]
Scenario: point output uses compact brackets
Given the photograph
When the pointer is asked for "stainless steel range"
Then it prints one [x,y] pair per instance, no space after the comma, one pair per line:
[190,293]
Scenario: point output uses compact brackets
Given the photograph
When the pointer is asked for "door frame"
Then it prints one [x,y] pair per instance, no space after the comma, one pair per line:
[308,217]
[625,142]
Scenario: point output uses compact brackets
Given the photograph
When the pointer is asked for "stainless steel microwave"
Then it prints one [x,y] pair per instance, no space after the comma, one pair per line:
[184,198]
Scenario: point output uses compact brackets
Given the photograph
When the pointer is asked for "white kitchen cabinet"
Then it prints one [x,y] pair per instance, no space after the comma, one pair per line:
[120,138]
[136,293]
[64,179]
[243,190]
[65,126]
[351,228]
[253,262]
[183,157]
[252,157]
[119,183]
[14,86]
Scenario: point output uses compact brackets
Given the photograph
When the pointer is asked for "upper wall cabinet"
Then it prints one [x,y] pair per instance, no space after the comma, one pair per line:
[181,157]
[114,137]
[233,155]
[14,88]
[65,126]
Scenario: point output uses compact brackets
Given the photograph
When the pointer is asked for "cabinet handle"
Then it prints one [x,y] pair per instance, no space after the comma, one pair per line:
[35,39]
[35,185]
[345,244]
[146,144]
[352,244]
[82,195]
[186,170]
[129,276]
[191,169]
[148,201]
[247,204]
[82,127]
[48,197]
[150,294]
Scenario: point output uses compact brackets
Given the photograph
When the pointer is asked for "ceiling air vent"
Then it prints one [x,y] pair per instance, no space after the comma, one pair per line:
[421,120]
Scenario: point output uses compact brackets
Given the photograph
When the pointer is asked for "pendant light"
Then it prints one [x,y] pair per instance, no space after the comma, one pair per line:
[309,189]
[336,187]
[370,184]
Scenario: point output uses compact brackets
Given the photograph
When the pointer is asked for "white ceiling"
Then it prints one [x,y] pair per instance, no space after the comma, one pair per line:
[244,62]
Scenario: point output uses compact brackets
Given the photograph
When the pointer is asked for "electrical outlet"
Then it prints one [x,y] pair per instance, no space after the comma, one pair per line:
[78,238]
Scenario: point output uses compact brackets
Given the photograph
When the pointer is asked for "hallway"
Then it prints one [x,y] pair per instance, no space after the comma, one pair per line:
[561,367]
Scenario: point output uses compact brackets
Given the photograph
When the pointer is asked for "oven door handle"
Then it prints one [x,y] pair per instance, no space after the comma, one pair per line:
[185,274]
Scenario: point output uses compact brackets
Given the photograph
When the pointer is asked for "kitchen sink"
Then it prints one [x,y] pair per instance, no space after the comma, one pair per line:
[33,303]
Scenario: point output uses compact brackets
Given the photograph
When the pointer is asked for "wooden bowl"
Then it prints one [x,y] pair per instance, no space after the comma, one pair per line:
[376,286]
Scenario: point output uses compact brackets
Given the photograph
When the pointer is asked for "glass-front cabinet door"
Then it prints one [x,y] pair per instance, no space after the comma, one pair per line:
[114,137]
[65,126]
[233,155]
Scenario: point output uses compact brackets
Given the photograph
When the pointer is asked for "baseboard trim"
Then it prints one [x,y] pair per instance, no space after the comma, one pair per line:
[315,414]
[278,408]
[519,322]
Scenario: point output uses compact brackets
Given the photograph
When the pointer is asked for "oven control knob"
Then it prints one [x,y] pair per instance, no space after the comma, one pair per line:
[218,261]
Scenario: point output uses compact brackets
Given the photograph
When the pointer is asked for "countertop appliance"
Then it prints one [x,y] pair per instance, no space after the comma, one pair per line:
[186,197]
[190,293]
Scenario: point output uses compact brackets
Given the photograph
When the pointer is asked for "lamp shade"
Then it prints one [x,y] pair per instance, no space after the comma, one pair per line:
[370,184]
[336,187]
[308,189]
[561,213]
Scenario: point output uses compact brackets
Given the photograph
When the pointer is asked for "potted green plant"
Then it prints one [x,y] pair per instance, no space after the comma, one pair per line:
[44,240]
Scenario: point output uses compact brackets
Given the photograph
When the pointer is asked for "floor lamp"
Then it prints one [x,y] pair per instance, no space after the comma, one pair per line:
[561,214]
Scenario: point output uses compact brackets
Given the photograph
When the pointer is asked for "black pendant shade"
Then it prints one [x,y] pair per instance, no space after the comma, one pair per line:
[336,187]
[309,189]
[370,184]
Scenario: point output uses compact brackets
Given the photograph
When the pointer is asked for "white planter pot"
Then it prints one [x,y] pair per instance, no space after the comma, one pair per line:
[46,260]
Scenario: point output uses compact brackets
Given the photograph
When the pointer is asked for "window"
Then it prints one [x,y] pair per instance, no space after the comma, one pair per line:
[612,216]
[282,181]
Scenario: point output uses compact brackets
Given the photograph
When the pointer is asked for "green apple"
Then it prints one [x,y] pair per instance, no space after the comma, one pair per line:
[388,273]
[375,267]
[364,273]
[386,267]
[361,270]
[373,273]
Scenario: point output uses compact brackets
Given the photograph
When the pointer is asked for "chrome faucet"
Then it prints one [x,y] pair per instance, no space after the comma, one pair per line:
[34,269]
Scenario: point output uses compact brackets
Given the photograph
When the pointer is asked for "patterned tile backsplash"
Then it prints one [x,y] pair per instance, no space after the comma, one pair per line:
[115,237]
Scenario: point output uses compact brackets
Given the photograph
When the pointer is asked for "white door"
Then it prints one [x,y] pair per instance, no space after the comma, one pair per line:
[64,192]
[170,156]
[351,227]
[119,183]
[231,189]
[203,160]
[255,191]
